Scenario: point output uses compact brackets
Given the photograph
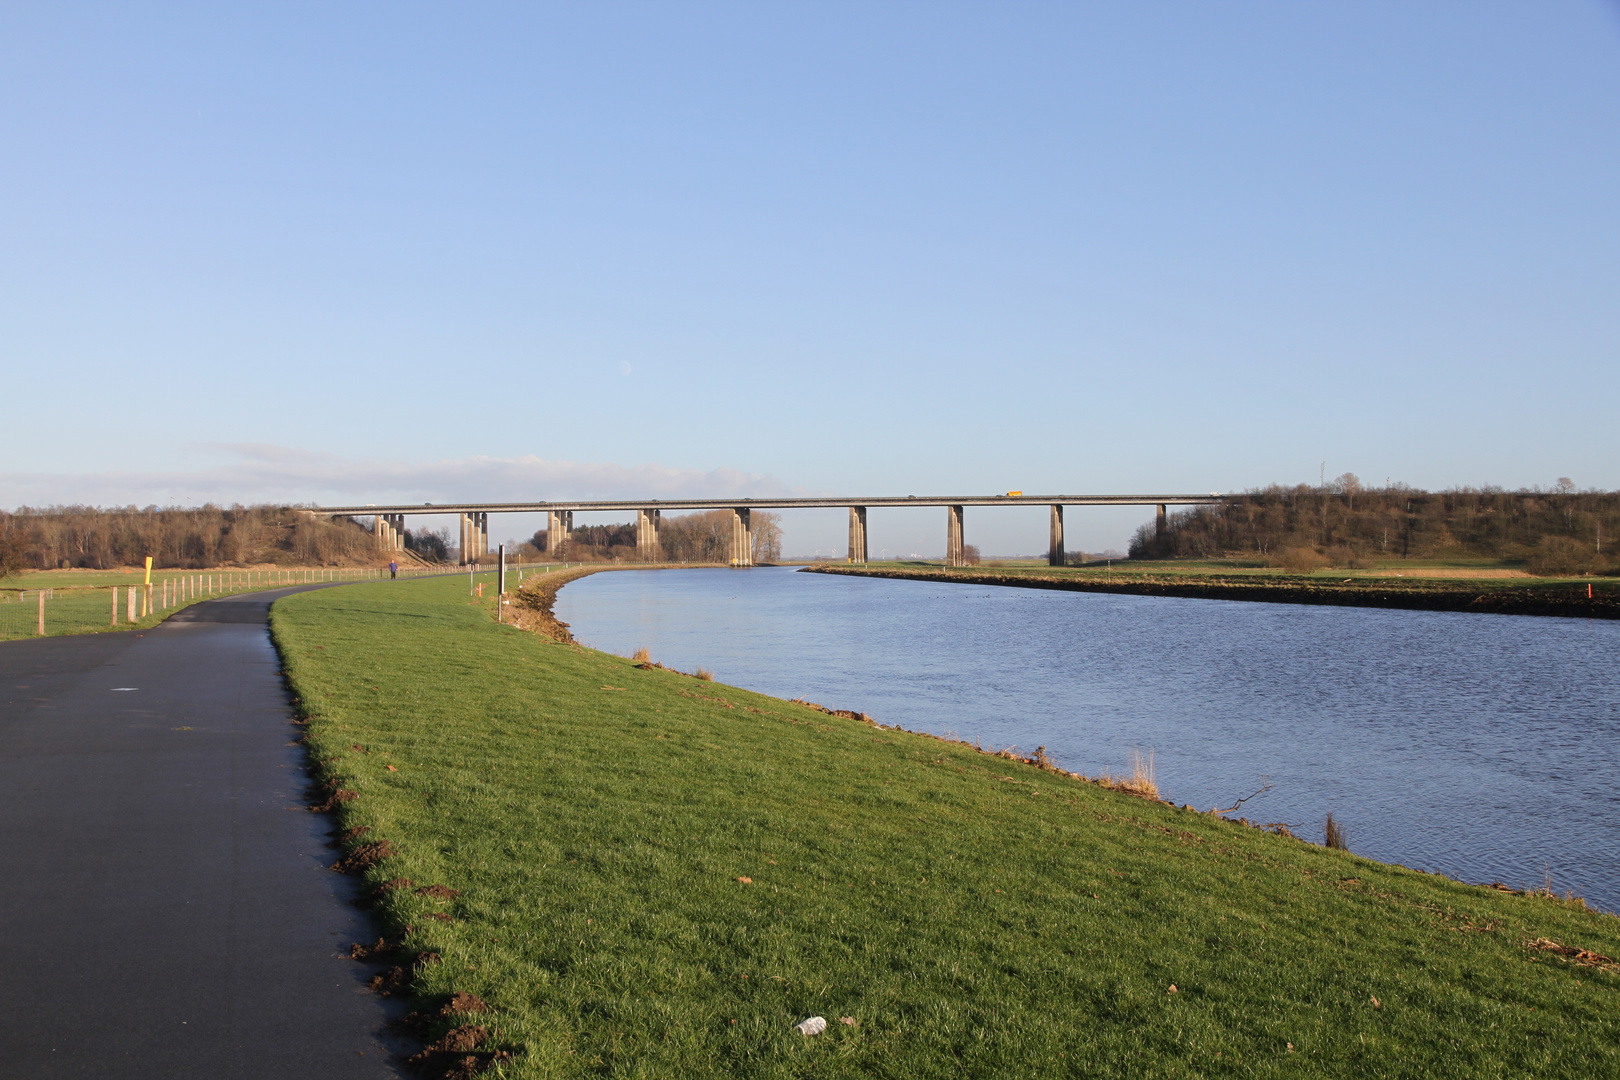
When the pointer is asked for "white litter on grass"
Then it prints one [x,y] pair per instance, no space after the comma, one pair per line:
[813,1026]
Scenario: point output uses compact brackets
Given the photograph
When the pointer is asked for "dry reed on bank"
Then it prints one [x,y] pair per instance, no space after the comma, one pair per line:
[1333,835]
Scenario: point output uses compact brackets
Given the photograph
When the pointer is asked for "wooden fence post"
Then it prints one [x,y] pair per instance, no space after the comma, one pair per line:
[115,606]
[41,595]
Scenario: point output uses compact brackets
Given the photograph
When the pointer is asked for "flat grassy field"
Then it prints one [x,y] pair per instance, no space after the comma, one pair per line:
[1474,587]
[82,601]
[258,577]
[1386,569]
[656,876]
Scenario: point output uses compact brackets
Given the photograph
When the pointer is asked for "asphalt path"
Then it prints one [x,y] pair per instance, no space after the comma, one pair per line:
[165,904]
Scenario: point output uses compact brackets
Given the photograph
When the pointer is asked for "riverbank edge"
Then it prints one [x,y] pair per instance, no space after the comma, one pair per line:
[1469,596]
[537,602]
[414,952]
[534,598]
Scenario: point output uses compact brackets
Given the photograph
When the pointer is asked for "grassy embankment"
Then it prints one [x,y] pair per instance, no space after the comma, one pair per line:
[1474,586]
[658,876]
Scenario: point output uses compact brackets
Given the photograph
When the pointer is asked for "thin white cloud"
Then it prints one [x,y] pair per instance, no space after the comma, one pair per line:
[277,474]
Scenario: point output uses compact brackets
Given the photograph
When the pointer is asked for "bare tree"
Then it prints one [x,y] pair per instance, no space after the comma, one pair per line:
[82,536]
[13,553]
[767,531]
[1352,524]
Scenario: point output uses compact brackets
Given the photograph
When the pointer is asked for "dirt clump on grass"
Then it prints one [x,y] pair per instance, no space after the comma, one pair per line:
[463,1002]
[456,1053]
[847,714]
[382,947]
[390,885]
[335,797]
[438,892]
[364,856]
[1574,955]
[398,977]
[390,982]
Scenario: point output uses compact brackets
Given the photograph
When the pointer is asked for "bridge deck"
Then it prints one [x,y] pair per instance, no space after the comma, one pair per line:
[771,503]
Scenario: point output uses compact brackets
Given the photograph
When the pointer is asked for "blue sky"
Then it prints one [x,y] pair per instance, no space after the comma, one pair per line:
[365,253]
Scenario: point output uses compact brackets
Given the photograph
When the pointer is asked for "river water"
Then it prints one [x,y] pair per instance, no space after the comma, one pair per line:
[1486,747]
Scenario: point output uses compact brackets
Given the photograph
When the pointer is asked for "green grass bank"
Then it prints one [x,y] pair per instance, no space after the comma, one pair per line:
[640,874]
[1417,586]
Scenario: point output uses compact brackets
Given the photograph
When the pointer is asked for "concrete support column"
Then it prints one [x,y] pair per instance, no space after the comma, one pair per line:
[465,545]
[378,527]
[1160,522]
[953,536]
[857,534]
[742,536]
[399,532]
[647,534]
[559,524]
[1054,546]
[482,542]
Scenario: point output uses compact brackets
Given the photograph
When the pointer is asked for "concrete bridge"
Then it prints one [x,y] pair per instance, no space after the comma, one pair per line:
[389,526]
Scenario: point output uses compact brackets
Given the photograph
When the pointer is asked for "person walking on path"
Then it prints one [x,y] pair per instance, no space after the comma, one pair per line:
[393,569]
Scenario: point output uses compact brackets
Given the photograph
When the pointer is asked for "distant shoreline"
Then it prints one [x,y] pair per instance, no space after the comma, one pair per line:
[1491,596]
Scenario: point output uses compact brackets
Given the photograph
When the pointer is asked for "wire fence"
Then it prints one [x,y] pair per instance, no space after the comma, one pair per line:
[48,612]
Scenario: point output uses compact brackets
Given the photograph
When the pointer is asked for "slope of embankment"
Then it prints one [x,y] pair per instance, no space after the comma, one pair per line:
[592,867]
[1511,596]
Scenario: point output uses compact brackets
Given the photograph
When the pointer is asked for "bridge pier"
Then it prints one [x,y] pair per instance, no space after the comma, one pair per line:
[389,531]
[1160,522]
[857,534]
[1054,544]
[647,534]
[474,536]
[742,536]
[559,526]
[953,536]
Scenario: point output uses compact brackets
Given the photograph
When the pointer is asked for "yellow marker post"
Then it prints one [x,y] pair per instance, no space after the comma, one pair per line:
[149,569]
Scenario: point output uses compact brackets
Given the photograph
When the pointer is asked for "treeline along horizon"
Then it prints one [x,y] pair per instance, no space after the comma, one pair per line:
[1562,531]
[48,538]
[97,538]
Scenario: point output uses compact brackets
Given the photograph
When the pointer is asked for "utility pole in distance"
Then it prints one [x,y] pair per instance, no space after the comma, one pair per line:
[500,584]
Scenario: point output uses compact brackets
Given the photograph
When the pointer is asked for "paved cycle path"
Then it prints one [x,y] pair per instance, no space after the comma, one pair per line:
[165,904]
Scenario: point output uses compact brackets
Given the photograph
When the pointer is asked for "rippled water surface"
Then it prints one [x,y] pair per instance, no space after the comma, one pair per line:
[1483,746]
